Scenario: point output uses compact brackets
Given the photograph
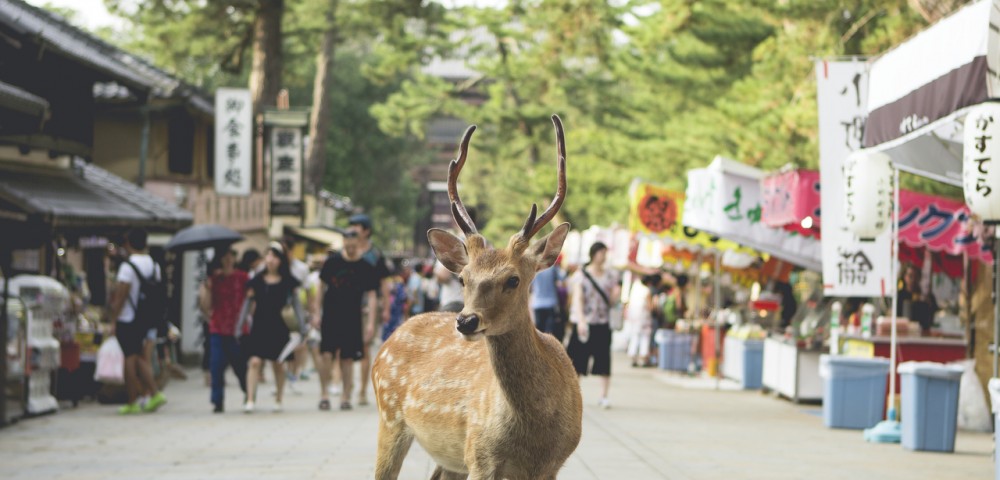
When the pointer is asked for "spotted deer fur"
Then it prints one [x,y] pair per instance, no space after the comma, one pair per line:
[483,392]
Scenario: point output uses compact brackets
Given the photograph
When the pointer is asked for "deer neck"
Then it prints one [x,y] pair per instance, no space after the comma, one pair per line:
[517,364]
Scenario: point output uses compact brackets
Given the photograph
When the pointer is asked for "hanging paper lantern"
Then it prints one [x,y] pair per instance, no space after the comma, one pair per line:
[868,193]
[980,169]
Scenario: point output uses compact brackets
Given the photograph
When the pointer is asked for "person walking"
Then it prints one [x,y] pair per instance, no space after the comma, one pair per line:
[131,330]
[222,294]
[545,301]
[362,225]
[639,319]
[267,294]
[399,300]
[593,294]
[347,280]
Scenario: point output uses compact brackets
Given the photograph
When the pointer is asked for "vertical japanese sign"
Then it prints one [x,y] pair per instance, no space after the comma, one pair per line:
[194,270]
[233,141]
[850,267]
[286,170]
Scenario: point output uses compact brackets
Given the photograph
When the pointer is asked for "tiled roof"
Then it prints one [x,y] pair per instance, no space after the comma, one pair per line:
[88,196]
[21,101]
[125,69]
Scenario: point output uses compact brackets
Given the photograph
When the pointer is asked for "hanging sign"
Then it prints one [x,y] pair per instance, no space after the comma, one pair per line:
[940,224]
[868,190]
[850,267]
[791,200]
[233,141]
[980,171]
[286,171]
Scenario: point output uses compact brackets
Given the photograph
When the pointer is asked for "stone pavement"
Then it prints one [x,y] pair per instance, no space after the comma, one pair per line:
[661,426]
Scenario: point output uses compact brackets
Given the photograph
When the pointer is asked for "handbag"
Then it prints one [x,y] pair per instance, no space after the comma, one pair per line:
[110,364]
[616,318]
[289,316]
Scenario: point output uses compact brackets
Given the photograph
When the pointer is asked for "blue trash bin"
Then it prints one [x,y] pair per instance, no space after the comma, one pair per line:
[662,337]
[854,390]
[929,399]
[675,349]
[753,364]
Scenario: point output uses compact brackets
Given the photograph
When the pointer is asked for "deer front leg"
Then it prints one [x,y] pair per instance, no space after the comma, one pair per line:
[393,444]
[441,474]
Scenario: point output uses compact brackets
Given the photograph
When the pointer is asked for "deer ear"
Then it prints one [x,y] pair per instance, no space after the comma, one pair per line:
[449,249]
[546,250]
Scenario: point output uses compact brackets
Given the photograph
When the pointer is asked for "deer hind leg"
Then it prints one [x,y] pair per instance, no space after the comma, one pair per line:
[441,474]
[393,444]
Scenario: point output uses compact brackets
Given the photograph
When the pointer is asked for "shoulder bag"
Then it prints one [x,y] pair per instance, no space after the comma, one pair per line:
[615,314]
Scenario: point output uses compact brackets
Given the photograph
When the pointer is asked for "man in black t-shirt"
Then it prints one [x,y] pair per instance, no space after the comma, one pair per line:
[346,281]
[362,225]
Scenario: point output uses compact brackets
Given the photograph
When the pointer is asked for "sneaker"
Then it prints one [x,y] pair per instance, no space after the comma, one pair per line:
[248,407]
[324,405]
[604,403]
[218,408]
[345,405]
[334,390]
[276,408]
[155,403]
[130,409]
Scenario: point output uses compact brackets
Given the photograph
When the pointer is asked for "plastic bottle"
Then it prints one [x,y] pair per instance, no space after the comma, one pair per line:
[835,328]
[867,312]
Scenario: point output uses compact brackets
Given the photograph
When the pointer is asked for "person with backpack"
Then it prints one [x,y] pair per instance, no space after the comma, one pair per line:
[138,304]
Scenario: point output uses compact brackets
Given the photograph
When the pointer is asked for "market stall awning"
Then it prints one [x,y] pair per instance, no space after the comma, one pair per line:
[791,201]
[918,90]
[941,225]
[320,235]
[85,196]
[725,200]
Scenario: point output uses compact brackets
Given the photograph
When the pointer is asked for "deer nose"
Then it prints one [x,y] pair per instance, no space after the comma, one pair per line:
[467,324]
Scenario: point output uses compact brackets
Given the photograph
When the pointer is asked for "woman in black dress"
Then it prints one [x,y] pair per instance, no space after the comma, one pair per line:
[267,293]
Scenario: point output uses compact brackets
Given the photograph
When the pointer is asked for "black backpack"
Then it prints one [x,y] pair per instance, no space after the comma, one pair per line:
[152,308]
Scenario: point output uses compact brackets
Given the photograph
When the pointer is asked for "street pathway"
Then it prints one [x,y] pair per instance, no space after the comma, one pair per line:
[661,426]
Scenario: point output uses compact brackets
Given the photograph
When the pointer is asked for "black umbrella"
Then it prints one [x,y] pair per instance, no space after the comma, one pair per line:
[197,237]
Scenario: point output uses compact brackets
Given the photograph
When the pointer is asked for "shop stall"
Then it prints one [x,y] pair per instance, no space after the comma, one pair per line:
[726,199]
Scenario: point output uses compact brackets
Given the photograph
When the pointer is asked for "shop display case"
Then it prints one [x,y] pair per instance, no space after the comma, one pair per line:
[16,346]
[46,302]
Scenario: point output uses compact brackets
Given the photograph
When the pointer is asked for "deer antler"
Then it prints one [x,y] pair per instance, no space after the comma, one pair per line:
[454,168]
[532,226]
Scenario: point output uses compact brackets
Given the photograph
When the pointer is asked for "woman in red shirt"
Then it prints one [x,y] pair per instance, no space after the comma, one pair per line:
[222,296]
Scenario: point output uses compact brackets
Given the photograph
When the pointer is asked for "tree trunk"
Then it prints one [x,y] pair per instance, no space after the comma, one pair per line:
[268,60]
[319,121]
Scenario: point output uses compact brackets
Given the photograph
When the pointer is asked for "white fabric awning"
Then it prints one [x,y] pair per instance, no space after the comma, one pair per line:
[725,200]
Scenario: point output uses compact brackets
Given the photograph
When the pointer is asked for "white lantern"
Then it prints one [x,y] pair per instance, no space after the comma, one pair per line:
[868,193]
[980,168]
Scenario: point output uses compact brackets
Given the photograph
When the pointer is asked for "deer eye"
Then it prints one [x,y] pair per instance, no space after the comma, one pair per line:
[512,283]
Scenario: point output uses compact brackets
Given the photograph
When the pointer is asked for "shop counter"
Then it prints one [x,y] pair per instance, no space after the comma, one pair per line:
[908,349]
[792,371]
[743,361]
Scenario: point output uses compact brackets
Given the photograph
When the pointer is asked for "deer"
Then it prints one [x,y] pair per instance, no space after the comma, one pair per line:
[484,393]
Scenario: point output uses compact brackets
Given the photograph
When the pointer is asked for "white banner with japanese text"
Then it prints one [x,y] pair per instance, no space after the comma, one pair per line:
[725,200]
[233,141]
[850,267]
[286,170]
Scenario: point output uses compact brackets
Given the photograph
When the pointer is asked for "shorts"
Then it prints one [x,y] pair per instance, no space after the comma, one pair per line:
[131,337]
[349,342]
[598,347]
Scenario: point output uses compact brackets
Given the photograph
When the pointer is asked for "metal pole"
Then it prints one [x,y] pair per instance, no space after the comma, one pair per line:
[4,319]
[895,294]
[996,296]
[717,294]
